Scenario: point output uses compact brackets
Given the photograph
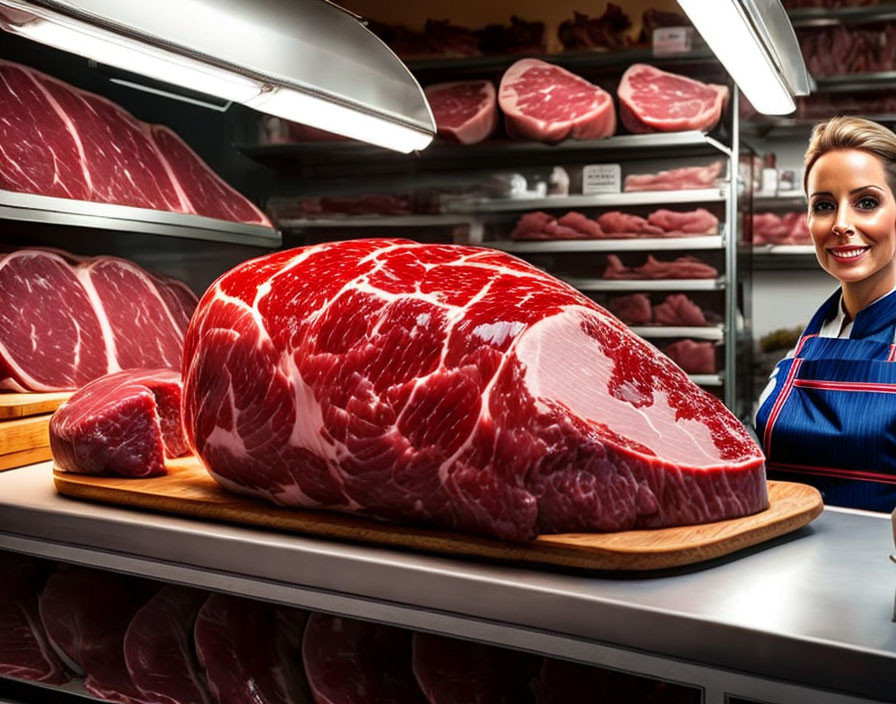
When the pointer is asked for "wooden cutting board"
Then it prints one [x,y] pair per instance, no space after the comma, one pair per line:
[14,405]
[189,490]
[24,441]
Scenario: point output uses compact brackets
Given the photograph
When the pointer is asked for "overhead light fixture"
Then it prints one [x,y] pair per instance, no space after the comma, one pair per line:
[307,61]
[755,42]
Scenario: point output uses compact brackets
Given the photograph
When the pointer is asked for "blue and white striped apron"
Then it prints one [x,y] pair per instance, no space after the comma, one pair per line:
[831,419]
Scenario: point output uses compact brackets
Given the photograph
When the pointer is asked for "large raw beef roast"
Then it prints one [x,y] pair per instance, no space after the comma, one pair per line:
[465,111]
[548,104]
[651,100]
[452,386]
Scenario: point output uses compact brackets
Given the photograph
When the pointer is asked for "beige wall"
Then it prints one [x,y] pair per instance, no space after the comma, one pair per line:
[477,13]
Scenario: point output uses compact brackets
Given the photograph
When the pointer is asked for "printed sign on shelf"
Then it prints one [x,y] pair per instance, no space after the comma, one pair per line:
[601,178]
[668,41]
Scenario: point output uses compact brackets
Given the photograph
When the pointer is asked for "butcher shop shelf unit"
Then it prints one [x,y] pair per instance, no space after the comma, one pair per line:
[26,207]
[630,285]
[606,200]
[651,244]
[803,618]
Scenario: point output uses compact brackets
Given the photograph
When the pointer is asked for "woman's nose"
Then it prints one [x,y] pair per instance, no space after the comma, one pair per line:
[842,227]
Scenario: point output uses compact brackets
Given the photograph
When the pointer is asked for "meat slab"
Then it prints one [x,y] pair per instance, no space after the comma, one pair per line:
[65,321]
[251,651]
[465,111]
[684,267]
[65,142]
[548,104]
[683,178]
[405,381]
[124,423]
[354,662]
[86,614]
[158,648]
[678,309]
[451,671]
[694,357]
[651,100]
[633,309]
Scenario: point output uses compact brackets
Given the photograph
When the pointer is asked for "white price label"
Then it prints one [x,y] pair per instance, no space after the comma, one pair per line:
[668,41]
[601,178]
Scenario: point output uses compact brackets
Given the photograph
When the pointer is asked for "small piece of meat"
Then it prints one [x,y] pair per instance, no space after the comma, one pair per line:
[678,309]
[617,223]
[633,309]
[692,222]
[124,423]
[584,225]
[694,357]
[531,226]
[685,267]
[769,228]
[684,178]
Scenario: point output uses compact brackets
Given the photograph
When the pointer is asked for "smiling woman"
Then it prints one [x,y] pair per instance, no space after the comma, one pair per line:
[828,414]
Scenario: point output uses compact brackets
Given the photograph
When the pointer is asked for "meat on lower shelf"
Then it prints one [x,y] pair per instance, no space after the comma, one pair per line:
[651,100]
[693,356]
[676,309]
[614,224]
[137,642]
[465,111]
[124,424]
[684,267]
[66,321]
[404,381]
[789,228]
[64,142]
[547,103]
[682,178]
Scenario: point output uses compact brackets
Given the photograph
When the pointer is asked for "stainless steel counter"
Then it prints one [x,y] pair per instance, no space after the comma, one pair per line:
[812,609]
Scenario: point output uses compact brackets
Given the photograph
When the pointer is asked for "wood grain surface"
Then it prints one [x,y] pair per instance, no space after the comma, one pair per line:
[20,405]
[189,490]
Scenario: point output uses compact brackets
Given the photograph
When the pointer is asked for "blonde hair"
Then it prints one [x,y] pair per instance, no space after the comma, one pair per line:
[852,133]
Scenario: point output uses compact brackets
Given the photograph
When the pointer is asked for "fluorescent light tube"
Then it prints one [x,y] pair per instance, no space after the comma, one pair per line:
[728,32]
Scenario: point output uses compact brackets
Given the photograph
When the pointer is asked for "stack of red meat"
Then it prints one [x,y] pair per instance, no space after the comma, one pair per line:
[615,225]
[65,142]
[136,642]
[676,310]
[790,228]
[683,267]
[67,320]
[842,49]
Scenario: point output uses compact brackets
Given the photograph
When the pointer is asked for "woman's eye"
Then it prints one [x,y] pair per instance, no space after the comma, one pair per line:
[867,203]
[822,206]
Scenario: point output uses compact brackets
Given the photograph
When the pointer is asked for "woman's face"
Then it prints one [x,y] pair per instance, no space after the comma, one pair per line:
[852,217]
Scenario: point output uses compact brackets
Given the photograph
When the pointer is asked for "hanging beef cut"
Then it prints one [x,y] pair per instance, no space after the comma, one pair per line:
[465,111]
[158,648]
[651,100]
[355,662]
[251,651]
[548,104]
[452,386]
[86,614]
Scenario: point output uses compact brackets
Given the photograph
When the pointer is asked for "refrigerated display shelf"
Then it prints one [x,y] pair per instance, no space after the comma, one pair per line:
[602,200]
[707,379]
[827,16]
[628,245]
[616,285]
[784,199]
[709,332]
[441,154]
[784,256]
[27,207]
[803,618]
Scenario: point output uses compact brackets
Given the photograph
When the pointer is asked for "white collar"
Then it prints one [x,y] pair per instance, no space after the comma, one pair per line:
[835,327]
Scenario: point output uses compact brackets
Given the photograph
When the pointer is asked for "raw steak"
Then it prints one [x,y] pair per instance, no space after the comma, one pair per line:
[64,142]
[651,100]
[65,321]
[251,651]
[451,671]
[408,382]
[678,309]
[626,225]
[354,662]
[588,227]
[158,648]
[684,178]
[633,309]
[541,226]
[51,337]
[465,111]
[685,267]
[548,104]
[693,357]
[124,424]
[202,189]
[86,614]
[24,651]
[692,222]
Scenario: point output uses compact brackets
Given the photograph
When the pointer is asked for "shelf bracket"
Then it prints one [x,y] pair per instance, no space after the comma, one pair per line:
[725,149]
